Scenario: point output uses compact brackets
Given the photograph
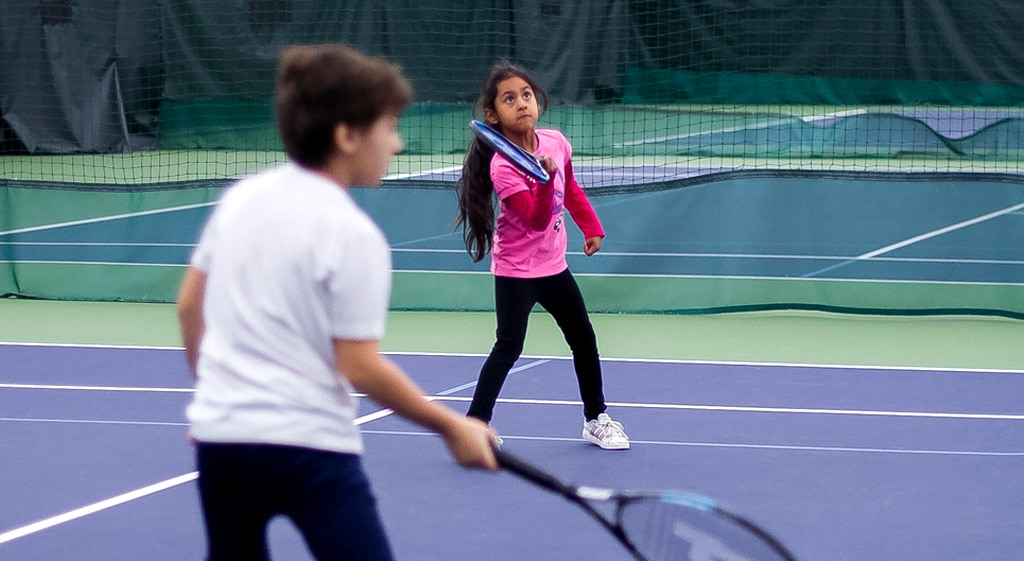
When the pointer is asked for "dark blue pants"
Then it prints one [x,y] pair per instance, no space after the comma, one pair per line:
[514,299]
[325,494]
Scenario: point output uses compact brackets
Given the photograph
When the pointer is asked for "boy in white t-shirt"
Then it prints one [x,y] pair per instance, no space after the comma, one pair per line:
[281,312]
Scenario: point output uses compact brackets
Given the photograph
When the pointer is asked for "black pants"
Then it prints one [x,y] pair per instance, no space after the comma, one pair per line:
[325,494]
[514,299]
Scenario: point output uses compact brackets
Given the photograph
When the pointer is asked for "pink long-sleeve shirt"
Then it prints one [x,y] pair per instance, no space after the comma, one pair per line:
[530,239]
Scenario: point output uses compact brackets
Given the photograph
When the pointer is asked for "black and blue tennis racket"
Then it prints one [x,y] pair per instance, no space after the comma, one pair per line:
[523,160]
[663,526]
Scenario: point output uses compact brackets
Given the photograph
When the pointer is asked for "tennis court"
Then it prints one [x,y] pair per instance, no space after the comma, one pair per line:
[948,244]
[924,460]
[972,238]
[808,304]
[912,210]
[921,454]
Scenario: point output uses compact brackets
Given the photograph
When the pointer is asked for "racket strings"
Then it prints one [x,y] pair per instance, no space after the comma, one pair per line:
[668,531]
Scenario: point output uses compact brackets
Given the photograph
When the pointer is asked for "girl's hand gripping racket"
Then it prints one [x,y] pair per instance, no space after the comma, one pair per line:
[664,526]
[523,160]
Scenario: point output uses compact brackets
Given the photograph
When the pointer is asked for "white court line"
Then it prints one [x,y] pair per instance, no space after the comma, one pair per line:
[759,364]
[940,231]
[742,445]
[96,244]
[751,409]
[751,256]
[91,346]
[411,175]
[110,388]
[810,119]
[732,277]
[94,388]
[106,218]
[737,128]
[397,248]
[865,256]
[445,396]
[691,361]
[41,525]
[77,513]
[102,263]
[598,275]
[92,422]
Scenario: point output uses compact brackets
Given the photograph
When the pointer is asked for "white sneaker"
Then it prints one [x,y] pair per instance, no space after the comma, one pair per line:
[606,433]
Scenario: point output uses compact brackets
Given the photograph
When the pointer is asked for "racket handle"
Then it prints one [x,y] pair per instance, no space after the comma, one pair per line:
[524,469]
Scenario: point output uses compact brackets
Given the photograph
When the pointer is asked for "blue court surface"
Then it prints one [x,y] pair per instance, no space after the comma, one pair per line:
[842,463]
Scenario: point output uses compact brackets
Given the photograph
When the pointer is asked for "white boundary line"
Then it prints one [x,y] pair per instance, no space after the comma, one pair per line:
[594,275]
[92,263]
[731,277]
[699,362]
[446,396]
[91,346]
[682,361]
[94,388]
[410,175]
[105,504]
[95,244]
[743,445]
[106,218]
[44,524]
[41,525]
[749,409]
[765,257]
[940,231]
[93,508]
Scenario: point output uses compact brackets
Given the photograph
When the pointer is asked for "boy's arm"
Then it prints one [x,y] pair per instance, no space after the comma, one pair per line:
[190,314]
[470,441]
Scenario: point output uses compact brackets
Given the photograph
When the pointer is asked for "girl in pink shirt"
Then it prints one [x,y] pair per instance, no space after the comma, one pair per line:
[527,243]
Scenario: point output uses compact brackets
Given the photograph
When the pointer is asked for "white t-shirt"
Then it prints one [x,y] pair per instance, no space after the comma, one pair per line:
[292,263]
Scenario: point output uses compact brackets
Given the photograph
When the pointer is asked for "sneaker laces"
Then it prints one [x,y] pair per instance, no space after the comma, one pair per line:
[604,427]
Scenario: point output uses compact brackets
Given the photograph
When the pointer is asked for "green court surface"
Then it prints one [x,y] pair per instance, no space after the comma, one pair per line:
[896,210]
[962,342]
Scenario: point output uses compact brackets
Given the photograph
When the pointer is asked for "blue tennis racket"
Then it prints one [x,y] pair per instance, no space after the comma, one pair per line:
[523,160]
[662,526]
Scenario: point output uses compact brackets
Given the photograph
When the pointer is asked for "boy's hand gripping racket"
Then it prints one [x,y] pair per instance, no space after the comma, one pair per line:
[523,160]
[663,526]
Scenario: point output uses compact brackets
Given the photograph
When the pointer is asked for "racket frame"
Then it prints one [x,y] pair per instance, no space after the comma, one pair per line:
[515,154]
[584,496]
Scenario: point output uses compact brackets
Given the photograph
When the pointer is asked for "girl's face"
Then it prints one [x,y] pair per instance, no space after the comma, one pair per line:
[515,106]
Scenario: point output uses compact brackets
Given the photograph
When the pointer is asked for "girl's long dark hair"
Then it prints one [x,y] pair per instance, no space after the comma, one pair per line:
[474,188]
